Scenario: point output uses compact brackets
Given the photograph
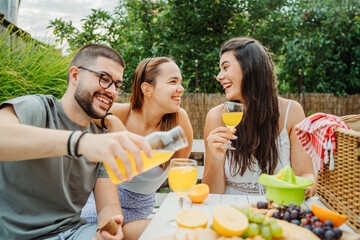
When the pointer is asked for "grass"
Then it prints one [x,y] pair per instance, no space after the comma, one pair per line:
[30,67]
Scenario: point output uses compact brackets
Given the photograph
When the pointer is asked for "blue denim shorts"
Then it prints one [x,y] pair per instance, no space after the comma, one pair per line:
[86,231]
[135,206]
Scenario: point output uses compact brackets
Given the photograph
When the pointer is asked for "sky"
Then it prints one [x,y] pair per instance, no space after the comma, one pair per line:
[34,15]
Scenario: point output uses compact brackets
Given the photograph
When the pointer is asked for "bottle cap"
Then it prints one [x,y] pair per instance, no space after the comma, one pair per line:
[176,138]
[171,140]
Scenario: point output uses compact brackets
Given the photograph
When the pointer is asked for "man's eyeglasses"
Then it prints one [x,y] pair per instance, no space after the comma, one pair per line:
[105,81]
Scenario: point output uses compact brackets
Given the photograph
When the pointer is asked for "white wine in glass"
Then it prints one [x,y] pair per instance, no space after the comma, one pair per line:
[232,114]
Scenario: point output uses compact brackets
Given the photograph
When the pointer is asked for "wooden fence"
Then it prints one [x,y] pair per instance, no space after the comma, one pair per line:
[198,104]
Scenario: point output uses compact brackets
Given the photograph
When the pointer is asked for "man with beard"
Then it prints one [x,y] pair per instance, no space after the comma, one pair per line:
[51,155]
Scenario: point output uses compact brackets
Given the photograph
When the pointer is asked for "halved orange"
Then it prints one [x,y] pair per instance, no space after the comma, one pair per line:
[199,193]
[192,218]
[229,222]
[325,214]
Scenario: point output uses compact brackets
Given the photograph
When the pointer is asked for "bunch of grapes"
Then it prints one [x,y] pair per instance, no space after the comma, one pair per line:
[259,225]
[305,218]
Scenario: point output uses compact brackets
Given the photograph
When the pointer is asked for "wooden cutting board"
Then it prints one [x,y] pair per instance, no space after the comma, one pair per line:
[290,232]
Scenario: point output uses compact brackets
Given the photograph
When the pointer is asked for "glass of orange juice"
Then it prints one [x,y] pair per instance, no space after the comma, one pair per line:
[182,176]
[232,114]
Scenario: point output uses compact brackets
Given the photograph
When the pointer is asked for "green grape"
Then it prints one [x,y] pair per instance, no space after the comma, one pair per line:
[259,218]
[266,233]
[260,225]
[271,221]
[276,230]
[251,217]
[248,211]
[253,230]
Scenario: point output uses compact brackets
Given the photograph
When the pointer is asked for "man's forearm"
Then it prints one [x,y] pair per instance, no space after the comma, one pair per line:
[107,200]
[24,142]
[109,211]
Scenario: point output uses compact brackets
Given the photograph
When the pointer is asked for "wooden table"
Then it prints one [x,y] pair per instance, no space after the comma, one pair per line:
[161,225]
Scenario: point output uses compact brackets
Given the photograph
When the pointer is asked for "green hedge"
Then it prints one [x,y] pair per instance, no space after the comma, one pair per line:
[27,67]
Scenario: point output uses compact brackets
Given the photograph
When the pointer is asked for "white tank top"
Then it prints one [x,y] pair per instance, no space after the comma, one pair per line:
[248,183]
[147,182]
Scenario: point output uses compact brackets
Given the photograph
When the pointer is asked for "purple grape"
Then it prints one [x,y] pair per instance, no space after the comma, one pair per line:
[287,217]
[329,235]
[319,232]
[326,228]
[338,233]
[317,224]
[276,215]
[302,214]
[304,221]
[308,227]
[308,211]
[296,221]
[328,223]
[261,205]
[294,214]
[308,216]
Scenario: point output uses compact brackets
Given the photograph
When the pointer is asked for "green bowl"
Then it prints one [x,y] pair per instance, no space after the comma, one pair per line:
[284,193]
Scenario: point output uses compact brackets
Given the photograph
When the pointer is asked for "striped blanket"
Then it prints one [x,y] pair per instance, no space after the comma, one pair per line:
[316,135]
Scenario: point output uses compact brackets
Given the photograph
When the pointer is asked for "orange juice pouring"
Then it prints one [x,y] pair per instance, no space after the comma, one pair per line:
[182,176]
[159,157]
[163,144]
[232,115]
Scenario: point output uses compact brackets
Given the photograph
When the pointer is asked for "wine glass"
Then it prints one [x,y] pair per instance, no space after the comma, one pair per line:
[182,176]
[232,114]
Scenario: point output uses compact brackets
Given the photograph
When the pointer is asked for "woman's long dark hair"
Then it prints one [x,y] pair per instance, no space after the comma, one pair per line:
[258,130]
[147,71]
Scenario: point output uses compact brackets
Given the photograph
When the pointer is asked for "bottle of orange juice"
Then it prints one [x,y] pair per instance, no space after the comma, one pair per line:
[163,144]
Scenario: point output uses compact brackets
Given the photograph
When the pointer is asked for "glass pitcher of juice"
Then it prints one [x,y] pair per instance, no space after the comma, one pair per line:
[163,144]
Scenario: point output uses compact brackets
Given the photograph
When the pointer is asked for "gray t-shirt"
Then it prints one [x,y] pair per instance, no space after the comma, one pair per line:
[43,197]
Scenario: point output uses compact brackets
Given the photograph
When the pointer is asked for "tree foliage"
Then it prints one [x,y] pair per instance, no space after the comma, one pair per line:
[319,37]
[324,48]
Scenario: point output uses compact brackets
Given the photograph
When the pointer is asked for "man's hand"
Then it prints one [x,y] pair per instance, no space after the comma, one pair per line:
[114,226]
[108,147]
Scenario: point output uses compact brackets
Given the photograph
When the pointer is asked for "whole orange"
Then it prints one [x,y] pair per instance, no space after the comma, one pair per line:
[325,214]
[199,193]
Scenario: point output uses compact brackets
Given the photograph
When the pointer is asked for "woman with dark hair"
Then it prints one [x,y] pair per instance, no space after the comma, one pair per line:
[154,106]
[265,139]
